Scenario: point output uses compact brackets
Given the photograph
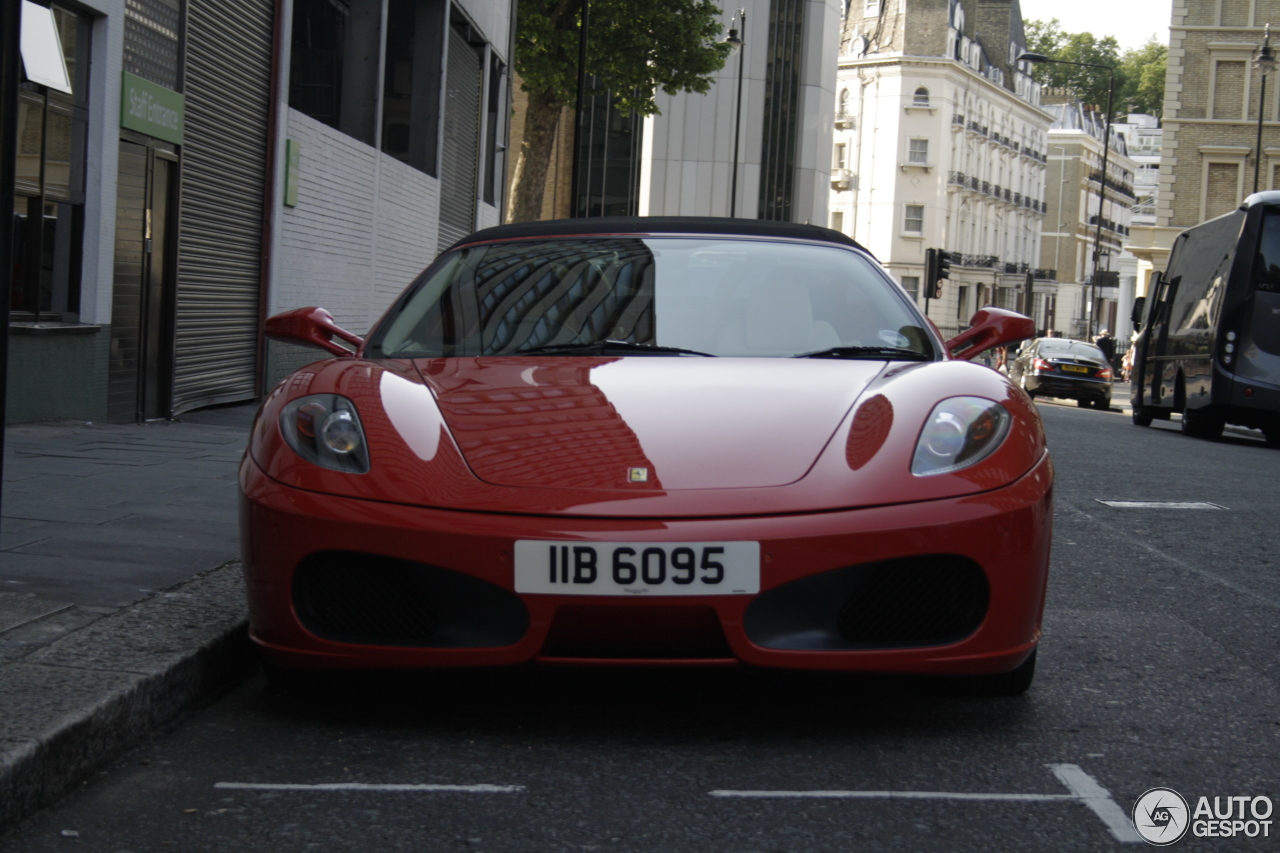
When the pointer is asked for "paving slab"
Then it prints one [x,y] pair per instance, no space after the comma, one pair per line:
[121,598]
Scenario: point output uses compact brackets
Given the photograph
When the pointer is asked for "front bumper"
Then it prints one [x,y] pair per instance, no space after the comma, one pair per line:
[1006,532]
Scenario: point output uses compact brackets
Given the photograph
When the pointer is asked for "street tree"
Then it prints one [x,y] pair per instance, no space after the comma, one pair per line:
[1143,71]
[1089,84]
[634,50]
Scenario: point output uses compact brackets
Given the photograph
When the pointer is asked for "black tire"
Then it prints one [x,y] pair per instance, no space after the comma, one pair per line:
[1198,423]
[1084,404]
[1015,682]
[1272,436]
[1140,417]
[1102,405]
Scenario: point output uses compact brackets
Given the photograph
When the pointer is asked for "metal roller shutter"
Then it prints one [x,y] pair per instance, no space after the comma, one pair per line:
[461,141]
[227,86]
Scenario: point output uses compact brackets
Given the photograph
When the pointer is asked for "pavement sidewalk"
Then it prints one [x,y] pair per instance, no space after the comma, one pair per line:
[121,598]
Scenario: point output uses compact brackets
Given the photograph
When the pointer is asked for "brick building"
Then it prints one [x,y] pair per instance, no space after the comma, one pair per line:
[1210,122]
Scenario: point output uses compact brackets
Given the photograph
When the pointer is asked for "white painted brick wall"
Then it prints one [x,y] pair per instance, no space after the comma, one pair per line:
[365,225]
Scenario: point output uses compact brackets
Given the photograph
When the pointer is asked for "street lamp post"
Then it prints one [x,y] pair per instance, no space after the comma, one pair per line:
[576,160]
[1102,183]
[1062,192]
[1265,62]
[737,37]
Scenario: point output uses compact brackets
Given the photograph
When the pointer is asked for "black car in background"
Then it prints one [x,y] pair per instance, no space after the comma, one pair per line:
[1061,367]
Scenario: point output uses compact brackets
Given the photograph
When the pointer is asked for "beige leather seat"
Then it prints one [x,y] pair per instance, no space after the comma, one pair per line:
[778,320]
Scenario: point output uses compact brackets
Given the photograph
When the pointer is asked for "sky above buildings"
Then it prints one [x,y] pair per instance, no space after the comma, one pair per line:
[1132,22]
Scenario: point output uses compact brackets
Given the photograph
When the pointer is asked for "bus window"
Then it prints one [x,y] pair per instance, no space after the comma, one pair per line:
[1267,275]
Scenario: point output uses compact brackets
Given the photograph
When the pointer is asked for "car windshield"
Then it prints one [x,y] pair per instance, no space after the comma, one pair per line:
[674,296]
[1056,346]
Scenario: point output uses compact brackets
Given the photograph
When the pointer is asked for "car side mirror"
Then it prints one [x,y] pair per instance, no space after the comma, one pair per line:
[990,327]
[1136,314]
[311,327]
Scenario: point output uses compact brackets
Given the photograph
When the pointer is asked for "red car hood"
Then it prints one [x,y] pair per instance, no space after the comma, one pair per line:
[643,423]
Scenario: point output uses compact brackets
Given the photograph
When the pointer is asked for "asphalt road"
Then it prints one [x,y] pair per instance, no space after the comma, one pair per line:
[1159,667]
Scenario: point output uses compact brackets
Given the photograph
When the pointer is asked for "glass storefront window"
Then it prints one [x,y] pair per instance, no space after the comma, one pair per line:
[48,210]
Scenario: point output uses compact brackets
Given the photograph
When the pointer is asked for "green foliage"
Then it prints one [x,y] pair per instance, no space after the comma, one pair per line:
[634,48]
[1090,84]
[1139,73]
[1143,70]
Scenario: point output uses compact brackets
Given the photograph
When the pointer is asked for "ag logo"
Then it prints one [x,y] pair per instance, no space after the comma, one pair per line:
[1161,816]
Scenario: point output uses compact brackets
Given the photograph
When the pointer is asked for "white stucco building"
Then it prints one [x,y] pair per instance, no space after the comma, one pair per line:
[940,142]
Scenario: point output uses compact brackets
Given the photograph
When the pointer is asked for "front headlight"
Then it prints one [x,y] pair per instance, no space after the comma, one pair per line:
[958,433]
[325,430]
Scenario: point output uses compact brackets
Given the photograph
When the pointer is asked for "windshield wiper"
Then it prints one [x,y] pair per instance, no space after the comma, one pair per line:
[606,347]
[891,353]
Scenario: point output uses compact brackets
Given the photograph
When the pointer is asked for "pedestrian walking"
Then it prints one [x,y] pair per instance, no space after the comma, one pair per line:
[1107,344]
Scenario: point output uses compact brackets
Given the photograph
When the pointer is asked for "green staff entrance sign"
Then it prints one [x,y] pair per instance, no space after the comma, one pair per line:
[151,109]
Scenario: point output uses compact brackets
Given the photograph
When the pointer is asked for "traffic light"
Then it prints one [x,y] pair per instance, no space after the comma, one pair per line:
[937,266]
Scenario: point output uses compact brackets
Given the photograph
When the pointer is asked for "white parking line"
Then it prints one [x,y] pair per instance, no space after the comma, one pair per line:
[1099,801]
[1084,789]
[363,786]
[897,795]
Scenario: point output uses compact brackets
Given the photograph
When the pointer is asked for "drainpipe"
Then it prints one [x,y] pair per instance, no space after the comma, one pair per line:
[269,194]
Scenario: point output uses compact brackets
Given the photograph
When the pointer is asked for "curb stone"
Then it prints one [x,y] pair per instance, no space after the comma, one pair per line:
[85,699]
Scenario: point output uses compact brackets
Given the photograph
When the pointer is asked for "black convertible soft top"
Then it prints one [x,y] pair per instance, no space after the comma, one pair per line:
[659,225]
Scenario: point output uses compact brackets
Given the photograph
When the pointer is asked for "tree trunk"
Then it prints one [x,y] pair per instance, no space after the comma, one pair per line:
[541,120]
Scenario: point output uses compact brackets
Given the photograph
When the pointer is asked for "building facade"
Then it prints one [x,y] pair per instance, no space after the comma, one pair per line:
[754,146]
[204,163]
[1087,300]
[1213,95]
[390,141]
[940,142]
[1143,138]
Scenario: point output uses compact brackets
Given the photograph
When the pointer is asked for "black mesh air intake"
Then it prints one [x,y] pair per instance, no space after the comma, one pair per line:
[916,601]
[369,599]
[929,601]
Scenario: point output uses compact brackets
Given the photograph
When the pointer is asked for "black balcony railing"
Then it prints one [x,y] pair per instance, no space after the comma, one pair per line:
[956,178]
[1044,275]
[976,128]
[957,119]
[1119,186]
[1108,225]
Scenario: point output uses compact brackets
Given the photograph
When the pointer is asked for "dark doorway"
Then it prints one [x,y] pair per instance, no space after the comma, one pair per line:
[141,371]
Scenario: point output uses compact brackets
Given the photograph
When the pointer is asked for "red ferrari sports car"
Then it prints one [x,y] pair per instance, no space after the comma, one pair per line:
[650,441]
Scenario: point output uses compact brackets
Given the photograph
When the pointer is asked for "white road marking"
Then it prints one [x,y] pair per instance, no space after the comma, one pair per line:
[1099,801]
[363,786]
[1160,504]
[1207,575]
[1084,789]
[896,795]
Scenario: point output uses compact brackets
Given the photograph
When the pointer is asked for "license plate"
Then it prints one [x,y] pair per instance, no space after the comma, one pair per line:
[637,568]
[1074,368]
